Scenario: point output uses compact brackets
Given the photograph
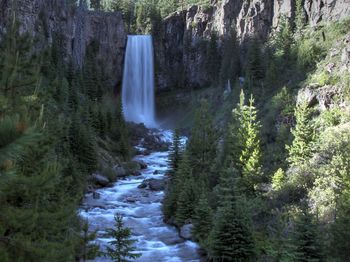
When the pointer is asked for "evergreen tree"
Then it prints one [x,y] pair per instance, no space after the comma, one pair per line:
[278,179]
[231,238]
[303,132]
[121,248]
[299,17]
[213,58]
[89,250]
[176,185]
[19,71]
[284,39]
[242,150]
[340,230]
[175,151]
[254,65]
[233,145]
[250,158]
[307,239]
[82,144]
[186,201]
[202,143]
[202,219]
[230,60]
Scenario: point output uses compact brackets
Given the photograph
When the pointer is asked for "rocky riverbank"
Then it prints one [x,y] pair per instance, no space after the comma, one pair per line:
[139,200]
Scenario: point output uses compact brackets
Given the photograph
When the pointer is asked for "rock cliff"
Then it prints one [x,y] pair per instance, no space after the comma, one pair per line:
[179,48]
[78,26]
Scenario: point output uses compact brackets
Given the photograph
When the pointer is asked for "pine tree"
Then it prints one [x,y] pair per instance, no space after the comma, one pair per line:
[82,144]
[186,202]
[89,250]
[213,58]
[202,143]
[19,70]
[278,179]
[254,65]
[202,219]
[230,60]
[175,151]
[340,229]
[303,132]
[231,237]
[121,248]
[284,38]
[250,158]
[242,146]
[299,17]
[307,239]
[177,181]
[233,145]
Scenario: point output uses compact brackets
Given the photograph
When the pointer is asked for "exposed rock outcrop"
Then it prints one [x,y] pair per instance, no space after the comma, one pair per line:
[180,47]
[78,27]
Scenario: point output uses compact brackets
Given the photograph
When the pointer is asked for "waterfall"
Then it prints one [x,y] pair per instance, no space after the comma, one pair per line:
[138,81]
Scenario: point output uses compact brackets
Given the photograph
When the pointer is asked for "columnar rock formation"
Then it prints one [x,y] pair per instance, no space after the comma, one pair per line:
[186,30]
[78,27]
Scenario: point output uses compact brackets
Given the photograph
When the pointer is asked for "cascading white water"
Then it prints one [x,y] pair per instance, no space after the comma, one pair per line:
[138,81]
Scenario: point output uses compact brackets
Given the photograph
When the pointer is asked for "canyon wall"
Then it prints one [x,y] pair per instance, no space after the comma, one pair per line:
[78,26]
[180,47]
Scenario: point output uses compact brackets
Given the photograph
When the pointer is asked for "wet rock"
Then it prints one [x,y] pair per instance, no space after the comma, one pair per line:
[131,199]
[136,173]
[120,171]
[100,180]
[153,184]
[142,164]
[157,172]
[96,195]
[186,231]
[90,189]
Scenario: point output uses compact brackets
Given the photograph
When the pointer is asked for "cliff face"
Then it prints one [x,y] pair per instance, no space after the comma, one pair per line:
[180,45]
[78,26]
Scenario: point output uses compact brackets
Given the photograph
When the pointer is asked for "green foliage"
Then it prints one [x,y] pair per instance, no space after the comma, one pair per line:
[243,150]
[186,202]
[278,179]
[254,69]
[121,248]
[19,70]
[230,60]
[202,143]
[177,182]
[301,148]
[202,219]
[89,250]
[213,57]
[231,237]
[284,39]
[307,240]
[47,148]
[175,151]
[299,17]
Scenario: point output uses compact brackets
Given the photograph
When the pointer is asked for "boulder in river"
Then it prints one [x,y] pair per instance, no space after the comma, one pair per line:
[186,231]
[120,171]
[142,164]
[100,180]
[96,195]
[153,184]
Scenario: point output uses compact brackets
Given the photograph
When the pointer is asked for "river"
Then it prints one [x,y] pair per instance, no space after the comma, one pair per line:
[142,213]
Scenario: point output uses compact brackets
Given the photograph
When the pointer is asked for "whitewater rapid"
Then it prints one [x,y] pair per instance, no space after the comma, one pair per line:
[142,212]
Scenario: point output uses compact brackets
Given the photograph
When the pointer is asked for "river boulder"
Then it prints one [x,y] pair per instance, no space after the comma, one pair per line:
[153,184]
[186,231]
[142,164]
[99,180]
[120,171]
